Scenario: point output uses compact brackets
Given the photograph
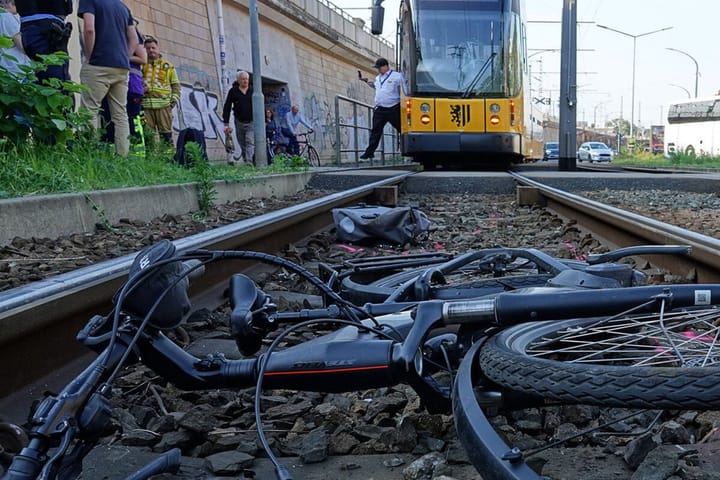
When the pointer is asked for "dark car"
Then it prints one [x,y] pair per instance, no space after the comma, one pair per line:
[551,151]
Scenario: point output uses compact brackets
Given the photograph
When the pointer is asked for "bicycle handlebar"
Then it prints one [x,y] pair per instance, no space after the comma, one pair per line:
[545,303]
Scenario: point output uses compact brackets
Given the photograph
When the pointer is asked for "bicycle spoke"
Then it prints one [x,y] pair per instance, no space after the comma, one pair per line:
[687,338]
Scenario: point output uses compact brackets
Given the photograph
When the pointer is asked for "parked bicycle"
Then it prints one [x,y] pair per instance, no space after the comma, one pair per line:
[628,346]
[307,152]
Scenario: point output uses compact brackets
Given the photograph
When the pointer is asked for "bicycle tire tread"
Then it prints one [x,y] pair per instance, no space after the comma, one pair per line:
[611,386]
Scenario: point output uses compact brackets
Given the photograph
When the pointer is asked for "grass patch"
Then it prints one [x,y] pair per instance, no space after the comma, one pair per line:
[675,161]
[90,164]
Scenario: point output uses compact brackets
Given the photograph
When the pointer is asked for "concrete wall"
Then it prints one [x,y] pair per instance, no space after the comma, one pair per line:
[310,52]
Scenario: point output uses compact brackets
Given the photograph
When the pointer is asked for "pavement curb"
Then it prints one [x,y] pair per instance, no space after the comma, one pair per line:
[65,214]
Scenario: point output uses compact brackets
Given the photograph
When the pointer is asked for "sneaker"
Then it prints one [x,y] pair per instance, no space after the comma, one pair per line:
[366,156]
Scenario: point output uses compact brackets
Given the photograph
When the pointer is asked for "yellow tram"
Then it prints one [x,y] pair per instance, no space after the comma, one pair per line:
[465,67]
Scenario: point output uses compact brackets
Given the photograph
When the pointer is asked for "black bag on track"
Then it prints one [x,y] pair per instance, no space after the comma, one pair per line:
[185,136]
[373,224]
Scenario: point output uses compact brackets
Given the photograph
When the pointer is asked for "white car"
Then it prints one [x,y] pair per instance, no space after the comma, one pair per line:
[594,152]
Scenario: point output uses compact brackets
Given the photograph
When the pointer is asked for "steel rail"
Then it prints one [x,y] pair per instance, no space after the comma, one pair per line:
[620,228]
[39,321]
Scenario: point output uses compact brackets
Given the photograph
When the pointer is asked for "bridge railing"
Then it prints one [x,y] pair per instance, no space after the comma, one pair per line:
[341,21]
[353,122]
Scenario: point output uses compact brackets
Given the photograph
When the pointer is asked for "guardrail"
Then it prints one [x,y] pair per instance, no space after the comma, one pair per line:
[359,115]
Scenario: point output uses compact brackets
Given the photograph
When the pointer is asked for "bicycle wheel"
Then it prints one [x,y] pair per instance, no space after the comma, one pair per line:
[312,157]
[659,360]
[474,274]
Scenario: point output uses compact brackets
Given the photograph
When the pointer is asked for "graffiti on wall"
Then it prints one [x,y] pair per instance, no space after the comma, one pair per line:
[199,106]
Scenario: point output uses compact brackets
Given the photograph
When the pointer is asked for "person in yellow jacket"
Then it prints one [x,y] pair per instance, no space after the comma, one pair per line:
[162,91]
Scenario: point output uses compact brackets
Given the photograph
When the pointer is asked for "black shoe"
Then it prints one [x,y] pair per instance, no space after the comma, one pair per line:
[366,156]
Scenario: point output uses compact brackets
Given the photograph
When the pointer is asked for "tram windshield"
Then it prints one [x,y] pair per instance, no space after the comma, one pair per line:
[459,49]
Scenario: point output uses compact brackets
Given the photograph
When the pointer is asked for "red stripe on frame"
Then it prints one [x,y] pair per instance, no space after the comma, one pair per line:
[317,372]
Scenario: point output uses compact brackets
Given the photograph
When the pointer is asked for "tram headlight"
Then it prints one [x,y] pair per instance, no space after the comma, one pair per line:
[494,120]
[425,107]
[425,119]
[494,108]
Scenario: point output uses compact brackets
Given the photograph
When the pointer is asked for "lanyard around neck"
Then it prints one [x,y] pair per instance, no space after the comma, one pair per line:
[382,82]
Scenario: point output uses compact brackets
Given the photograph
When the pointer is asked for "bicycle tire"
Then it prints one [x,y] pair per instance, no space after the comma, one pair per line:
[312,156]
[509,359]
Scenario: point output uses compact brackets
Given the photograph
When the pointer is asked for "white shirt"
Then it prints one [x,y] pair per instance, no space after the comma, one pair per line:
[387,88]
[10,27]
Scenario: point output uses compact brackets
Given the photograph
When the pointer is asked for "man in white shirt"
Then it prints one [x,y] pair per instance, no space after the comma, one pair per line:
[293,118]
[387,87]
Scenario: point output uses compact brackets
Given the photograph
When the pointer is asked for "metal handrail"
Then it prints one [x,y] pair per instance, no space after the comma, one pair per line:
[355,128]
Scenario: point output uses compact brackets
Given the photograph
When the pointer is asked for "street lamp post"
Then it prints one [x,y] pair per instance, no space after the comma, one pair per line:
[697,68]
[634,37]
[681,87]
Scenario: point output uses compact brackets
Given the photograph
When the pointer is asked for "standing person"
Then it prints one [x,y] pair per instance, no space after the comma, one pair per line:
[44,31]
[239,100]
[108,38]
[293,118]
[387,87]
[10,27]
[138,58]
[162,91]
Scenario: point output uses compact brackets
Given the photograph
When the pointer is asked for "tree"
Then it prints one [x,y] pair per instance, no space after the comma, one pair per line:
[620,125]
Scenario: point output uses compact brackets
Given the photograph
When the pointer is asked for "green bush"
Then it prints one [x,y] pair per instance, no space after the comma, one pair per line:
[43,113]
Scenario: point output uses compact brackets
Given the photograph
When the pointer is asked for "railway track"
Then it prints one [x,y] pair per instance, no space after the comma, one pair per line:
[619,228]
[65,304]
[45,316]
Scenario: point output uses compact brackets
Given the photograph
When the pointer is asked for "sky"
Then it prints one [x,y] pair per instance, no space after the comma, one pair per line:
[605,58]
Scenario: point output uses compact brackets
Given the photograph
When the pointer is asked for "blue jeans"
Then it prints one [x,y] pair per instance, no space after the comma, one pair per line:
[293,145]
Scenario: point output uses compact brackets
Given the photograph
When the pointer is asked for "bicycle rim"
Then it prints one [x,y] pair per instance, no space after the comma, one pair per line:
[659,360]
[312,156]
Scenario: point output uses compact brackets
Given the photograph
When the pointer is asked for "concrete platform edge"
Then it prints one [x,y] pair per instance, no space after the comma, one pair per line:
[58,215]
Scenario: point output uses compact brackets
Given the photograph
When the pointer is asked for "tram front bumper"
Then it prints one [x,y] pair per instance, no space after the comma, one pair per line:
[495,143]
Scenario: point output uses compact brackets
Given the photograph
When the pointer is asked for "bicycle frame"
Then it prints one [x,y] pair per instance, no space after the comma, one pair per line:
[367,353]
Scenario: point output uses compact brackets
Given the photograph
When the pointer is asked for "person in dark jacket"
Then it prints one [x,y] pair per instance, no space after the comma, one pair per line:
[44,31]
[239,100]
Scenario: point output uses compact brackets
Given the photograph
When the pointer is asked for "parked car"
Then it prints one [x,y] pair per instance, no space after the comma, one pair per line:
[551,151]
[594,152]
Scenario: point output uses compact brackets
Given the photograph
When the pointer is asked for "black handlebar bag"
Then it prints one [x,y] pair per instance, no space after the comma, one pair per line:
[371,224]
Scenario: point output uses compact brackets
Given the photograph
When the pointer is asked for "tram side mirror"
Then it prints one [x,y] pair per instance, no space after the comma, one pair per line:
[376,21]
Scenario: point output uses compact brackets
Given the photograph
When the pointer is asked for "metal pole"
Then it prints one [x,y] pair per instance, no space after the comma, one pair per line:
[632,95]
[221,45]
[697,67]
[568,88]
[258,99]
[634,37]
